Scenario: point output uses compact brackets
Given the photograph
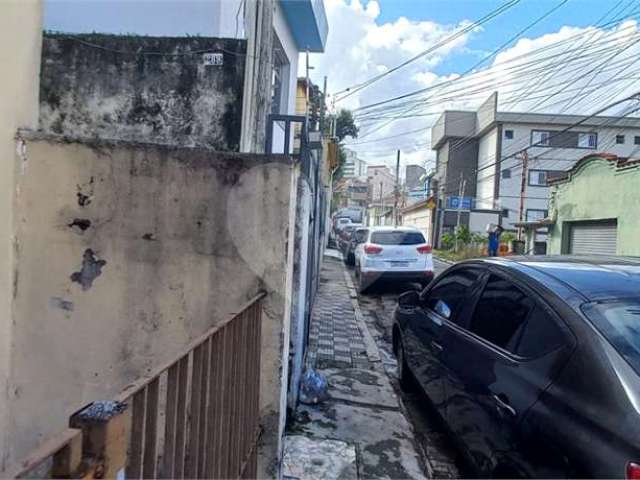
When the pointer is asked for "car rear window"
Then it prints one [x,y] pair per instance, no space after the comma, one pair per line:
[619,322]
[397,238]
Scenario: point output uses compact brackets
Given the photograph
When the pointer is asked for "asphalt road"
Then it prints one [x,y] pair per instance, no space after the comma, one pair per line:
[377,307]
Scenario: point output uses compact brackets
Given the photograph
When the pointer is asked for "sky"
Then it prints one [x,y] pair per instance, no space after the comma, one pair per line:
[367,38]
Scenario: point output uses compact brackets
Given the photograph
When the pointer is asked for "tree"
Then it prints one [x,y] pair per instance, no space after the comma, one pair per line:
[345,126]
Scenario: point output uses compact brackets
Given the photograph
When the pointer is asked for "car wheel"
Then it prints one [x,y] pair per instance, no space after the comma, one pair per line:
[405,377]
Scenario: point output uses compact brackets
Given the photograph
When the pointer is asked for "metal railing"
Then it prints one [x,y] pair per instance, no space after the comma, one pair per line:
[195,417]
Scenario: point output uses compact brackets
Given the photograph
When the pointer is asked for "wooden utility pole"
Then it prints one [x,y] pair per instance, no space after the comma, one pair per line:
[381,204]
[397,191]
[523,190]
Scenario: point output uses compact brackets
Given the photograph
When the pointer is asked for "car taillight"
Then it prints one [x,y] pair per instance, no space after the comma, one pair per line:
[424,249]
[372,249]
[633,471]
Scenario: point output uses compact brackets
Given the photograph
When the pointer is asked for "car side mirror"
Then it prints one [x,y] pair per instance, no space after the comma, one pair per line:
[409,299]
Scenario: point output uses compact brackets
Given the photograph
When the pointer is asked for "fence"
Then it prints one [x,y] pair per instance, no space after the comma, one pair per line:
[195,417]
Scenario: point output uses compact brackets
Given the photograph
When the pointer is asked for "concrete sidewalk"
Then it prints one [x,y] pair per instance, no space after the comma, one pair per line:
[361,431]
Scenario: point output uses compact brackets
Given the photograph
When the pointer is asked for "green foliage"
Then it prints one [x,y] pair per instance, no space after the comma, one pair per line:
[478,238]
[447,240]
[507,237]
[463,235]
[345,125]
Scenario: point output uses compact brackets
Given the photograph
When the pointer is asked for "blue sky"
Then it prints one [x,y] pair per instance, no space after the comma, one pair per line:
[577,13]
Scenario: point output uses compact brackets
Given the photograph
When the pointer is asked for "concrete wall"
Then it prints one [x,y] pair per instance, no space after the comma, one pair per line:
[20,35]
[128,251]
[486,175]
[421,219]
[598,190]
[97,86]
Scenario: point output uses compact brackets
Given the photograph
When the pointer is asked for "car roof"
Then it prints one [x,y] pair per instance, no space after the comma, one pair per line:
[595,277]
[394,229]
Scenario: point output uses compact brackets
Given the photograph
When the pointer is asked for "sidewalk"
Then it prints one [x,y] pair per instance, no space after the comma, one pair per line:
[361,431]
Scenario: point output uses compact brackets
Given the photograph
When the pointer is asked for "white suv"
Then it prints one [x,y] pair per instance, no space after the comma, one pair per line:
[400,253]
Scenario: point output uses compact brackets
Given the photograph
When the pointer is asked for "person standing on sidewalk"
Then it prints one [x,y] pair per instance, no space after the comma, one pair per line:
[494,232]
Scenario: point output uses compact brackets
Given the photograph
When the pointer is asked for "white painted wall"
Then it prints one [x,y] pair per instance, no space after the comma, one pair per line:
[485,177]
[545,158]
[420,219]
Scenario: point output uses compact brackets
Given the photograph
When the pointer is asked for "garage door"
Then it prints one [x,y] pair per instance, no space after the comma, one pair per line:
[598,238]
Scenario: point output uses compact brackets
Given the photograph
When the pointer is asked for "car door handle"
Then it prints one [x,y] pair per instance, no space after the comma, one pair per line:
[435,346]
[503,405]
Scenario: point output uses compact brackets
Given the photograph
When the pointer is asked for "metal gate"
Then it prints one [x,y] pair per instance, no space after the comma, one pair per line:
[593,238]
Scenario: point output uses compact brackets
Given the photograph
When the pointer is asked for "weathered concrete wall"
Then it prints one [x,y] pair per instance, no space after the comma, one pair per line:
[125,253]
[20,41]
[152,88]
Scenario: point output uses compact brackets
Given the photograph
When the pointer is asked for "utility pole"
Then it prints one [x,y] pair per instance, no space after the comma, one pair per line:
[381,204]
[460,197]
[323,107]
[523,189]
[397,191]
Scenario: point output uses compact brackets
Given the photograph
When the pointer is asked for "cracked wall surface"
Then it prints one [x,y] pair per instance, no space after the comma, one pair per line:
[153,88]
[162,243]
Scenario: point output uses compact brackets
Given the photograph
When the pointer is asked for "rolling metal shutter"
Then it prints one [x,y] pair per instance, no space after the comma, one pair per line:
[597,238]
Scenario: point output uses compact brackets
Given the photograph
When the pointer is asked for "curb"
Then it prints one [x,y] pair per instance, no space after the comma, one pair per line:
[369,342]
[443,260]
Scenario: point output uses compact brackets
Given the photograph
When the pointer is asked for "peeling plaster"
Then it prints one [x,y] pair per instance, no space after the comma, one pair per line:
[91,269]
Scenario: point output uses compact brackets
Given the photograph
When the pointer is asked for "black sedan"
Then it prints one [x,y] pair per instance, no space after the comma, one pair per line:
[533,363]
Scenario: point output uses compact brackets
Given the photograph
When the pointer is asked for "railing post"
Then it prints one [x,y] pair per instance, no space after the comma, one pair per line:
[105,429]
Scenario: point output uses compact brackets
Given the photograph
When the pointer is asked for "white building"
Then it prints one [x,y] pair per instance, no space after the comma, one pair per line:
[381,182]
[353,166]
[298,26]
[484,148]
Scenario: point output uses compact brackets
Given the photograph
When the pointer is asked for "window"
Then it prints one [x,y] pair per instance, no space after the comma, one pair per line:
[534,214]
[540,138]
[540,335]
[619,139]
[538,178]
[278,76]
[508,134]
[636,140]
[619,322]
[451,291]
[505,213]
[397,238]
[506,173]
[501,313]
[587,140]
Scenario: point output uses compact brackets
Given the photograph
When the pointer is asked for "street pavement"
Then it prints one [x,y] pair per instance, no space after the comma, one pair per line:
[361,431]
[368,428]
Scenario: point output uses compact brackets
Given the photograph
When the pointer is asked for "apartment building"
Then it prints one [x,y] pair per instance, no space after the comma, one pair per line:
[481,156]
[381,181]
[353,166]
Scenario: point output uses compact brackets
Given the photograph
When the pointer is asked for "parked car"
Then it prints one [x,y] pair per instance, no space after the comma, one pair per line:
[356,237]
[344,237]
[338,225]
[533,363]
[400,253]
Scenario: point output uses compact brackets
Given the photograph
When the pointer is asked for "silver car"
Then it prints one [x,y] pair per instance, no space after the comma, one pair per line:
[398,253]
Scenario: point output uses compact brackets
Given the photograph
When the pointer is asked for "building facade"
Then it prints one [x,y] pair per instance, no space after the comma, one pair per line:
[381,182]
[482,156]
[353,166]
[276,33]
[593,208]
[420,215]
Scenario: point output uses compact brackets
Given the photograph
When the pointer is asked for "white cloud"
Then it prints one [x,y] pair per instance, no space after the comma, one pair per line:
[358,48]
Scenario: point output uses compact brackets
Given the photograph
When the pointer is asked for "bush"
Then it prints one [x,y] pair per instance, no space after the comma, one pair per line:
[447,241]
[507,237]
[463,235]
[478,238]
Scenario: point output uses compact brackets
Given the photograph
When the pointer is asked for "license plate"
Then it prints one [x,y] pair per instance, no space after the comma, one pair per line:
[399,264]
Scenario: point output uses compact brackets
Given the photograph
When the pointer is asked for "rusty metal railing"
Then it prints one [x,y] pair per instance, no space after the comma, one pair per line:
[194,417]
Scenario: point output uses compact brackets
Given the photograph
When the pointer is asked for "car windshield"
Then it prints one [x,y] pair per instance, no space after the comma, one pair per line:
[619,322]
[397,238]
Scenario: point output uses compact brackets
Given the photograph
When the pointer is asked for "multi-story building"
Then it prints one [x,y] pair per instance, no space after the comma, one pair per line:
[381,181]
[353,166]
[482,156]
[414,177]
